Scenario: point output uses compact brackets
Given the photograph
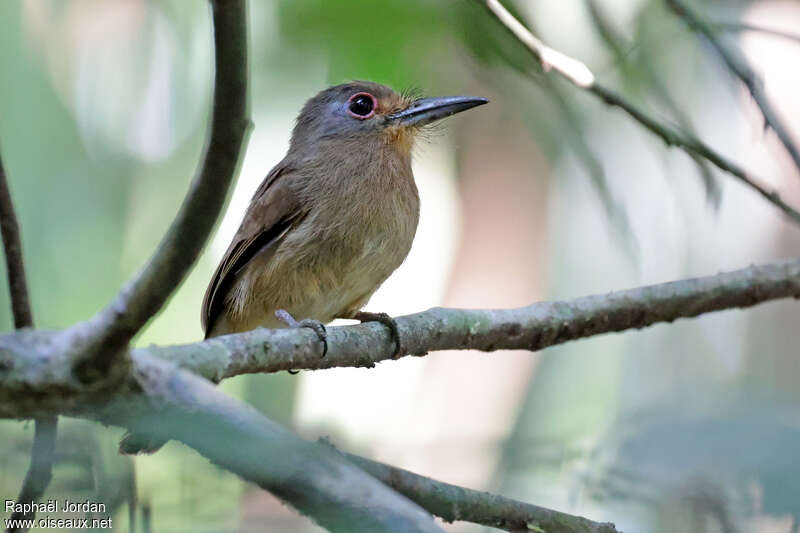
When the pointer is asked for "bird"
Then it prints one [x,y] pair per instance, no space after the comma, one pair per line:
[333,219]
[329,223]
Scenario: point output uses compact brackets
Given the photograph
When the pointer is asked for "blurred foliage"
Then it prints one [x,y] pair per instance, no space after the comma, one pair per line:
[394,42]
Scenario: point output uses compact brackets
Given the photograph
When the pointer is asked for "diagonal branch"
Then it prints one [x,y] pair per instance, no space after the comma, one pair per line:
[739,66]
[454,503]
[44,440]
[319,482]
[111,329]
[533,327]
[573,71]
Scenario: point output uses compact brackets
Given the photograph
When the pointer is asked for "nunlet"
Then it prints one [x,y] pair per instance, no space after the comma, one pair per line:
[333,219]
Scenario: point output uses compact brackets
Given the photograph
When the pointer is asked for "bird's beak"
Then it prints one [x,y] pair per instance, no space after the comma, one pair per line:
[428,110]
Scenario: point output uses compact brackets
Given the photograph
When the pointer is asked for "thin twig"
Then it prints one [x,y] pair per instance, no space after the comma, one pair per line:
[44,439]
[739,66]
[671,135]
[112,328]
[15,265]
[572,69]
[453,503]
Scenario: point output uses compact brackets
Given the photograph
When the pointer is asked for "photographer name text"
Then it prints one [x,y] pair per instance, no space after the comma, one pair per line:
[55,506]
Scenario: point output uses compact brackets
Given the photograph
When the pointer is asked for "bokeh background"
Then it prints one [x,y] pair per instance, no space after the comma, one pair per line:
[544,194]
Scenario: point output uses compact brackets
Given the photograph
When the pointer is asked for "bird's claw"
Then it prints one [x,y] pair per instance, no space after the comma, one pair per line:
[389,322]
[315,325]
[319,329]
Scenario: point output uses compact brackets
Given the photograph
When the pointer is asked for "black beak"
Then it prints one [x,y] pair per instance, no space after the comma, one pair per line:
[428,110]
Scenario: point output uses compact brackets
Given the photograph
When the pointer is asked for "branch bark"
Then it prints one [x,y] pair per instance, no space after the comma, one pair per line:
[40,470]
[454,503]
[671,135]
[738,65]
[533,327]
[111,329]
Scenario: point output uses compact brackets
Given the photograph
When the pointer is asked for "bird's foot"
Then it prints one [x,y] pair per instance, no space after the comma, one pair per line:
[315,325]
[389,322]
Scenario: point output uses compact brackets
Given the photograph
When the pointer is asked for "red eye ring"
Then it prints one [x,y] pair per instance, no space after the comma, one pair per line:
[361,106]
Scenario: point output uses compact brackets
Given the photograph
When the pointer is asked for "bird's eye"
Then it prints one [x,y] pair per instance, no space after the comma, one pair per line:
[361,105]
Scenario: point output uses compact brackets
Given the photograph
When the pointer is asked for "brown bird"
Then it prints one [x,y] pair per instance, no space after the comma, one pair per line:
[329,223]
[333,219]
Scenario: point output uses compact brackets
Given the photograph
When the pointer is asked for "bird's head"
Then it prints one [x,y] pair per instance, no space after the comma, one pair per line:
[364,111]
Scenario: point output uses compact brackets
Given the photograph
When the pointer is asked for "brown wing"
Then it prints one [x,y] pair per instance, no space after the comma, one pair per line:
[273,209]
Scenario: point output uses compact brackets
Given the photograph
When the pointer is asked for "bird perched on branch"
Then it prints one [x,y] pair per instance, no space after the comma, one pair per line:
[333,219]
[329,223]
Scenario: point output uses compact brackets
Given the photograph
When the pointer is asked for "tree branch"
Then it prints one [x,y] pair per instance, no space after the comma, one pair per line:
[671,135]
[35,381]
[166,402]
[533,327]
[454,503]
[111,329]
[738,65]
[43,453]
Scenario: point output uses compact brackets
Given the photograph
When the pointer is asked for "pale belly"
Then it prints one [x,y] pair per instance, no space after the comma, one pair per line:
[320,279]
[358,279]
